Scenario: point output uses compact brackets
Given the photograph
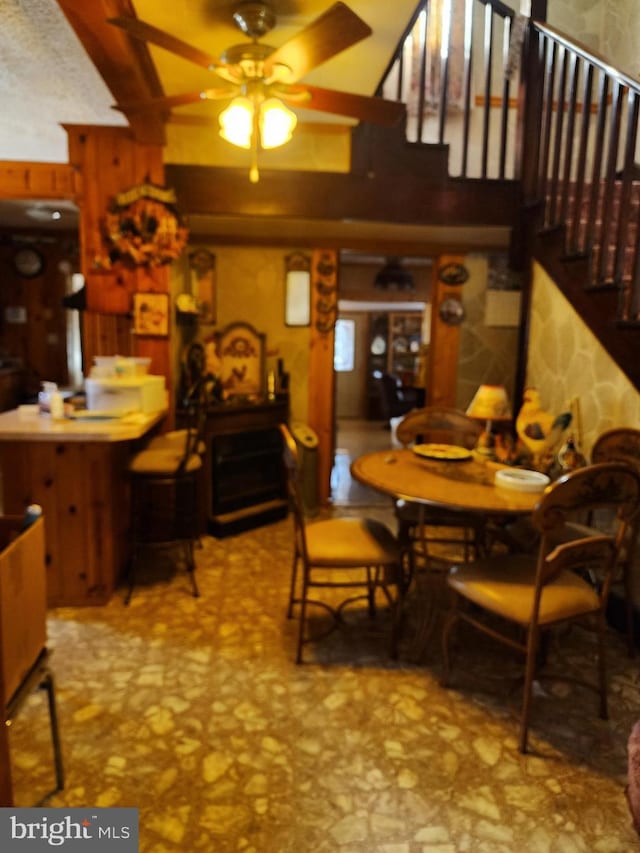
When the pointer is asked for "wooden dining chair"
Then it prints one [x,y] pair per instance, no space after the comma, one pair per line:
[623,445]
[422,530]
[338,553]
[537,593]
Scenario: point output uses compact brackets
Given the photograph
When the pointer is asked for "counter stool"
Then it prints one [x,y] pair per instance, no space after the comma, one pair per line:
[165,478]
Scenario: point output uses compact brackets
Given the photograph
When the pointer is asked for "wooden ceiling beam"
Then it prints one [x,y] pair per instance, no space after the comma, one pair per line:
[390,180]
[124,63]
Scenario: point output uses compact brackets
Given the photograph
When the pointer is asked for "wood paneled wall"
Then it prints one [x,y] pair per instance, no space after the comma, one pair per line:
[108,161]
[34,329]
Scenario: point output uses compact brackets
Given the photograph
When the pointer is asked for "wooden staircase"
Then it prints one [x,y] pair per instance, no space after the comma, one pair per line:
[582,180]
[573,150]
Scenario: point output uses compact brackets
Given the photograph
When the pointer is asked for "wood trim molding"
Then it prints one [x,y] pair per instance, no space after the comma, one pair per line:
[39,180]
[495,101]
[124,63]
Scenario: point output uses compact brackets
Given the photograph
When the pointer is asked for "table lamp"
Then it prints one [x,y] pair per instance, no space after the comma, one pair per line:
[490,403]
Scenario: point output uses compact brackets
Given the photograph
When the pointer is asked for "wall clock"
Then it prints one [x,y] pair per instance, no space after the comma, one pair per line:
[28,262]
[453,274]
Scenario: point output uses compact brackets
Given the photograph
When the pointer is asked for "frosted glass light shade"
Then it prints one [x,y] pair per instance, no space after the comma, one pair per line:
[236,122]
[277,123]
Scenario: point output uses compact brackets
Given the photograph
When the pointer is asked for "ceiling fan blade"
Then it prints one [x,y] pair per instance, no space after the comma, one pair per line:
[362,107]
[334,31]
[170,101]
[146,32]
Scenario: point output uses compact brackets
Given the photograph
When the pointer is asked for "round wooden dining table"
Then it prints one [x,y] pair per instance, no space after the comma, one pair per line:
[466,485]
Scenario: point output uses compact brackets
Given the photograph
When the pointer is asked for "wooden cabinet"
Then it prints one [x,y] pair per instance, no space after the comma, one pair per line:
[244,479]
[394,343]
[77,472]
[394,347]
[405,336]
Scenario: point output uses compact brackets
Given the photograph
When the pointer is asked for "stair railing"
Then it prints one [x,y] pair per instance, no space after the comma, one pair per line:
[456,69]
[566,125]
[580,158]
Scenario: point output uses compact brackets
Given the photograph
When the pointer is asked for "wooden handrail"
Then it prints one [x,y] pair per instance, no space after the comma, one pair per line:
[586,174]
[587,54]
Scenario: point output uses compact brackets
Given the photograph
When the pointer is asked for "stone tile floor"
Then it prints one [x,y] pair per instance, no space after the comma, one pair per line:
[193,711]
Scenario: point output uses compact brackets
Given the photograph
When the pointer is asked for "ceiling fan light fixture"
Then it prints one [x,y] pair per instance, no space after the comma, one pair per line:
[393,276]
[254,19]
[236,122]
[277,123]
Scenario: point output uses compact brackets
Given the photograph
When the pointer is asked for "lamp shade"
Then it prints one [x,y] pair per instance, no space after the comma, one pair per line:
[490,403]
[277,123]
[236,122]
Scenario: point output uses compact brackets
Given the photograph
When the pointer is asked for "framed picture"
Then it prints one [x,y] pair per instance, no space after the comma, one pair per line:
[240,361]
[151,314]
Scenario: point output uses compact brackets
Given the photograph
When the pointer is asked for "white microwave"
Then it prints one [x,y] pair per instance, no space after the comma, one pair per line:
[126,394]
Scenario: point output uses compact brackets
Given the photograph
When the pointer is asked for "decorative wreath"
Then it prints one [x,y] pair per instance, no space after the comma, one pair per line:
[143,227]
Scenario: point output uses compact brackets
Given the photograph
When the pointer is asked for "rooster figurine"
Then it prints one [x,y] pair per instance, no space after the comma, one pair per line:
[538,430]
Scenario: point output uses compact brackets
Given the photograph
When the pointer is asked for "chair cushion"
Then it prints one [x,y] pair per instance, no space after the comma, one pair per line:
[162,462]
[505,585]
[351,542]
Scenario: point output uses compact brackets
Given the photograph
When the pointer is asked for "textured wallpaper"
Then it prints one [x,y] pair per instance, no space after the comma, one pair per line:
[610,27]
[566,361]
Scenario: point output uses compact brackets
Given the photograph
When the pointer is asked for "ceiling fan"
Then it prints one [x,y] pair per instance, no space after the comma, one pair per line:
[260,79]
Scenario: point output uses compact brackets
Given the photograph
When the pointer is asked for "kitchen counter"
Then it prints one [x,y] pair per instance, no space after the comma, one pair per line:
[26,424]
[77,471]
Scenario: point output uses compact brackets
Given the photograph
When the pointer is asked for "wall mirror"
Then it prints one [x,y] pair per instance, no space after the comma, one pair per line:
[297,307]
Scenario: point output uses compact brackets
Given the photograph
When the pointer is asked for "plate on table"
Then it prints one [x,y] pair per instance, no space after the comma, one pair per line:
[442,452]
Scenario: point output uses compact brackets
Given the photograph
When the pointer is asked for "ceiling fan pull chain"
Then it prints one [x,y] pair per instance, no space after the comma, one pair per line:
[254,175]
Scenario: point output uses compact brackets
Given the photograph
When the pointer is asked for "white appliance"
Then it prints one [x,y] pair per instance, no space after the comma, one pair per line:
[120,394]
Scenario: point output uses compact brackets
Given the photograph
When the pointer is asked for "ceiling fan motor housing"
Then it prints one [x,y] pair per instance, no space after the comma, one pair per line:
[254,19]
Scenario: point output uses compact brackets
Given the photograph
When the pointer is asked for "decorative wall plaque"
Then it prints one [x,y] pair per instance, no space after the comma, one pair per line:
[453,274]
[451,311]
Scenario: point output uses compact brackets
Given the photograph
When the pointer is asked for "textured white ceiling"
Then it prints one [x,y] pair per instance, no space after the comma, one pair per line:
[46,78]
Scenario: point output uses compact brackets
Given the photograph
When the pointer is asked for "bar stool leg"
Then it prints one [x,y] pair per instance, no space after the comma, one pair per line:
[48,684]
[191,568]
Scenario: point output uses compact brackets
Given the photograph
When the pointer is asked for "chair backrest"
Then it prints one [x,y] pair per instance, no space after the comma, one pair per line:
[614,486]
[195,416]
[391,398]
[291,461]
[622,443]
[439,425]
